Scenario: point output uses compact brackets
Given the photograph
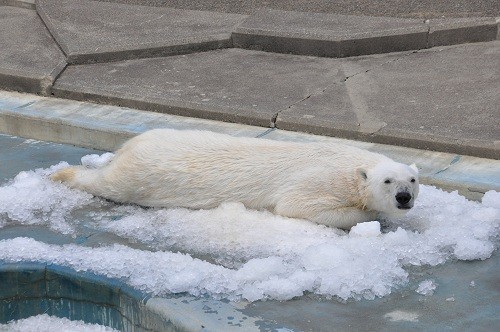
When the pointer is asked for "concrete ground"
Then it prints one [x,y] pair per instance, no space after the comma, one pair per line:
[398,81]
[419,91]
[395,8]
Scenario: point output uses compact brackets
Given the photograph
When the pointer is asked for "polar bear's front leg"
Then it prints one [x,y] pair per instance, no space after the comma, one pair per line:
[344,218]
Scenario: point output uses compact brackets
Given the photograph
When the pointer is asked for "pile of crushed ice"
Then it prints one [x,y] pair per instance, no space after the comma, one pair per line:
[46,323]
[235,253]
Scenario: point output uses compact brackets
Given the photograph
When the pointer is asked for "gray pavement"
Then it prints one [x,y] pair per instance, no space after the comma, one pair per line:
[159,59]
[425,100]
[227,85]
[394,8]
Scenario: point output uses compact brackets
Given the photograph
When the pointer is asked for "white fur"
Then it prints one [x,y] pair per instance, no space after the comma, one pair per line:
[330,184]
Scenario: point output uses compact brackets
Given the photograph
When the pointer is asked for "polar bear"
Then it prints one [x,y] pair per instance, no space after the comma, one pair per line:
[331,184]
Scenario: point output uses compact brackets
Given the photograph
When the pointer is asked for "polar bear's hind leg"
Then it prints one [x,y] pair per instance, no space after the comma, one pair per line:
[80,177]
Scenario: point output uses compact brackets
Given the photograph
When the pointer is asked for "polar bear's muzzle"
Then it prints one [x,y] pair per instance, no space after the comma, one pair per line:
[404,200]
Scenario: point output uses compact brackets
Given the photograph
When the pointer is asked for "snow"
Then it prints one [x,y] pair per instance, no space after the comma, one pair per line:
[30,198]
[46,323]
[231,252]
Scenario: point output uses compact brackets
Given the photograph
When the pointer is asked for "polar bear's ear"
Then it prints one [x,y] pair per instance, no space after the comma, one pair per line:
[414,167]
[362,174]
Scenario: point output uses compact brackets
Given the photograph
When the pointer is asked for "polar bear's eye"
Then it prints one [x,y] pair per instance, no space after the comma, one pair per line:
[387,181]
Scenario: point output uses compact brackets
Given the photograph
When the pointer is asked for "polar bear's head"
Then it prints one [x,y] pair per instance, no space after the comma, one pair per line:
[391,188]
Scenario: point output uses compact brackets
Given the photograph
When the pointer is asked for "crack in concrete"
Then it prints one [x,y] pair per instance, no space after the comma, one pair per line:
[380,65]
[315,93]
[274,118]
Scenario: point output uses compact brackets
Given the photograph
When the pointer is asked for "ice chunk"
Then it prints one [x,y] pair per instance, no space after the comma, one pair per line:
[397,238]
[97,161]
[324,256]
[260,269]
[472,249]
[426,287]
[252,293]
[366,229]
[280,289]
[491,199]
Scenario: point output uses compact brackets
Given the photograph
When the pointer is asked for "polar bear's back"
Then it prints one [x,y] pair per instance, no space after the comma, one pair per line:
[200,141]
[201,169]
[192,148]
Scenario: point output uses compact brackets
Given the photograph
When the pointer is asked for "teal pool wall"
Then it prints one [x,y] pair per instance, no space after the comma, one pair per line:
[29,289]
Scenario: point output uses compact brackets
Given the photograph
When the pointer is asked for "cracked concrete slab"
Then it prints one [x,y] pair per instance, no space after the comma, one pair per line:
[427,100]
[30,59]
[339,103]
[230,85]
[92,31]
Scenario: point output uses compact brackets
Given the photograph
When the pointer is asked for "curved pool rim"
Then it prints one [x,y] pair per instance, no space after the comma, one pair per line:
[29,289]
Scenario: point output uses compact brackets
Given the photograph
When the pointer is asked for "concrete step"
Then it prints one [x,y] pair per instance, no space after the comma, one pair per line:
[331,35]
[92,31]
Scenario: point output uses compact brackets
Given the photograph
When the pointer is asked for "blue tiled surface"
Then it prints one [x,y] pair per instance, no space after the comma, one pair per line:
[22,280]
[29,289]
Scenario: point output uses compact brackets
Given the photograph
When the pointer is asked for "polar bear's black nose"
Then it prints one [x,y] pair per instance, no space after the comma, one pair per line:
[403,198]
